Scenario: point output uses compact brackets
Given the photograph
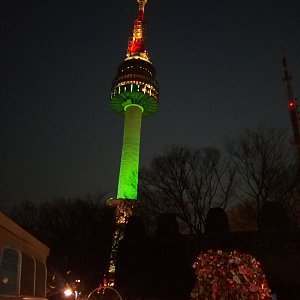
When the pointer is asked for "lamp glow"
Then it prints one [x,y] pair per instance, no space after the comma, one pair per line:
[68,292]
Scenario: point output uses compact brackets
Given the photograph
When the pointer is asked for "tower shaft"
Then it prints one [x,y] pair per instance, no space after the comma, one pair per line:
[129,169]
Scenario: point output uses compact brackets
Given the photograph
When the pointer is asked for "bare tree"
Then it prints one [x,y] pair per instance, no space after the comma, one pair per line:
[265,170]
[26,214]
[187,183]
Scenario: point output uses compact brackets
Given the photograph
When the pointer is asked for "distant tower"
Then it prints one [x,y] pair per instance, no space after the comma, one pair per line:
[292,107]
[134,94]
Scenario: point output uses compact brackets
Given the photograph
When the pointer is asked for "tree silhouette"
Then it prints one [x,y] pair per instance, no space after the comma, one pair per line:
[265,170]
[187,183]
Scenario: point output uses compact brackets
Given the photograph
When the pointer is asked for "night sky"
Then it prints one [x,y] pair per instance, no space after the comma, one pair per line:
[218,64]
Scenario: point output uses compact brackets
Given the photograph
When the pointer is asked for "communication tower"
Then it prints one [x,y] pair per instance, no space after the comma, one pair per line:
[134,94]
[292,107]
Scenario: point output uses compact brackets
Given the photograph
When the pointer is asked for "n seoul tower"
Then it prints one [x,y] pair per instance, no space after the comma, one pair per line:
[134,94]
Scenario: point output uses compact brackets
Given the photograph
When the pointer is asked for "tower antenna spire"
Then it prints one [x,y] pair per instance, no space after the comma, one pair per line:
[137,42]
[292,105]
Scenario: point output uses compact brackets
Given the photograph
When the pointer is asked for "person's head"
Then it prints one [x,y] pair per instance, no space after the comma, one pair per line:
[167,225]
[216,221]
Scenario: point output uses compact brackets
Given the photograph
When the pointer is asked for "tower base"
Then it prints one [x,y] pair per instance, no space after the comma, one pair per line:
[123,209]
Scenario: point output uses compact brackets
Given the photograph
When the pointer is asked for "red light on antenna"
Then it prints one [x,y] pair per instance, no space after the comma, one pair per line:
[291,104]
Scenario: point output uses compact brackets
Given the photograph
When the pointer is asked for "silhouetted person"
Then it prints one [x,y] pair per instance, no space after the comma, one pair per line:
[273,217]
[130,272]
[170,273]
[216,221]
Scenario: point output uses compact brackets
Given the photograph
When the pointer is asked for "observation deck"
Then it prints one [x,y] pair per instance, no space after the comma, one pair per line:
[135,84]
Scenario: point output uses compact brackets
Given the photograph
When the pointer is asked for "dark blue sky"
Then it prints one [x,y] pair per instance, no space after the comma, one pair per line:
[218,64]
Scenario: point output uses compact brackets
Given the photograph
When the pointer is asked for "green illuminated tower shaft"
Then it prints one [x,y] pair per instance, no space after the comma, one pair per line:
[128,178]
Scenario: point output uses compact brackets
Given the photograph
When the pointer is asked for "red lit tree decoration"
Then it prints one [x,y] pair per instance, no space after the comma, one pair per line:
[230,275]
